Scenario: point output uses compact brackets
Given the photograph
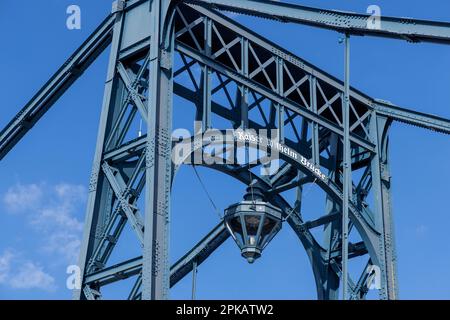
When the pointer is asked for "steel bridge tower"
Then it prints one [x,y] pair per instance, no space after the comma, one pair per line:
[237,76]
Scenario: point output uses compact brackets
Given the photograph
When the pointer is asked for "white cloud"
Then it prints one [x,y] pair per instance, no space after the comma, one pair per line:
[64,244]
[59,223]
[52,212]
[17,273]
[20,198]
[32,276]
[59,216]
[70,193]
[5,265]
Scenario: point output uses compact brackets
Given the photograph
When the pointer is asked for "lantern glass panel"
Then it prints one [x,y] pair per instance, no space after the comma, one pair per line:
[252,224]
[269,225]
[236,227]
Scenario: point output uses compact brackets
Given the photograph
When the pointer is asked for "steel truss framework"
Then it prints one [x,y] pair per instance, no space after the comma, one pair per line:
[225,71]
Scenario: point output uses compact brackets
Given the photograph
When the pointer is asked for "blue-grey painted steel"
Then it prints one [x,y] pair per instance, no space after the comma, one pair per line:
[415,118]
[102,37]
[99,198]
[115,273]
[156,268]
[140,84]
[69,72]
[199,253]
[194,279]
[235,76]
[409,29]
[384,220]
[347,168]
[332,230]
[314,250]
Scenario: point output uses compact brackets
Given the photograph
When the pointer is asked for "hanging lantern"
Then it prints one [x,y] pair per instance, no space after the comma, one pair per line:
[252,224]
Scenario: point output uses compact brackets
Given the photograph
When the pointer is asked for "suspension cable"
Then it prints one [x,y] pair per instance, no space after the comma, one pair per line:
[206,192]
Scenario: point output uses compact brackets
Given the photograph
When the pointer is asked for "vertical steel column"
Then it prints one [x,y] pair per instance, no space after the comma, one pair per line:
[99,190]
[382,199]
[299,195]
[155,268]
[244,90]
[389,232]
[332,230]
[206,77]
[194,278]
[280,91]
[347,180]
[314,126]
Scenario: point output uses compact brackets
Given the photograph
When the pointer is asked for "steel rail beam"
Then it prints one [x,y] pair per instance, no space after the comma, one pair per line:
[321,221]
[66,75]
[199,253]
[202,250]
[127,150]
[412,117]
[413,30]
[116,272]
[354,250]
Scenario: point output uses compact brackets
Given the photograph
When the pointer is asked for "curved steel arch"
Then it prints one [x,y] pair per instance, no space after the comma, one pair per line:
[315,252]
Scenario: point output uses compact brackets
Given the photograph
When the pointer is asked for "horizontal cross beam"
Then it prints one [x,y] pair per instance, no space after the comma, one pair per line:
[355,250]
[116,272]
[69,72]
[412,117]
[409,29]
[322,220]
[198,253]
[181,268]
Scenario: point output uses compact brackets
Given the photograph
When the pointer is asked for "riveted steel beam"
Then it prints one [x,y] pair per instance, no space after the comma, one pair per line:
[66,75]
[409,29]
[202,250]
[415,118]
[115,273]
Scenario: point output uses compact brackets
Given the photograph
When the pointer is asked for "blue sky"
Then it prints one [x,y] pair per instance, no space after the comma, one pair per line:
[44,179]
